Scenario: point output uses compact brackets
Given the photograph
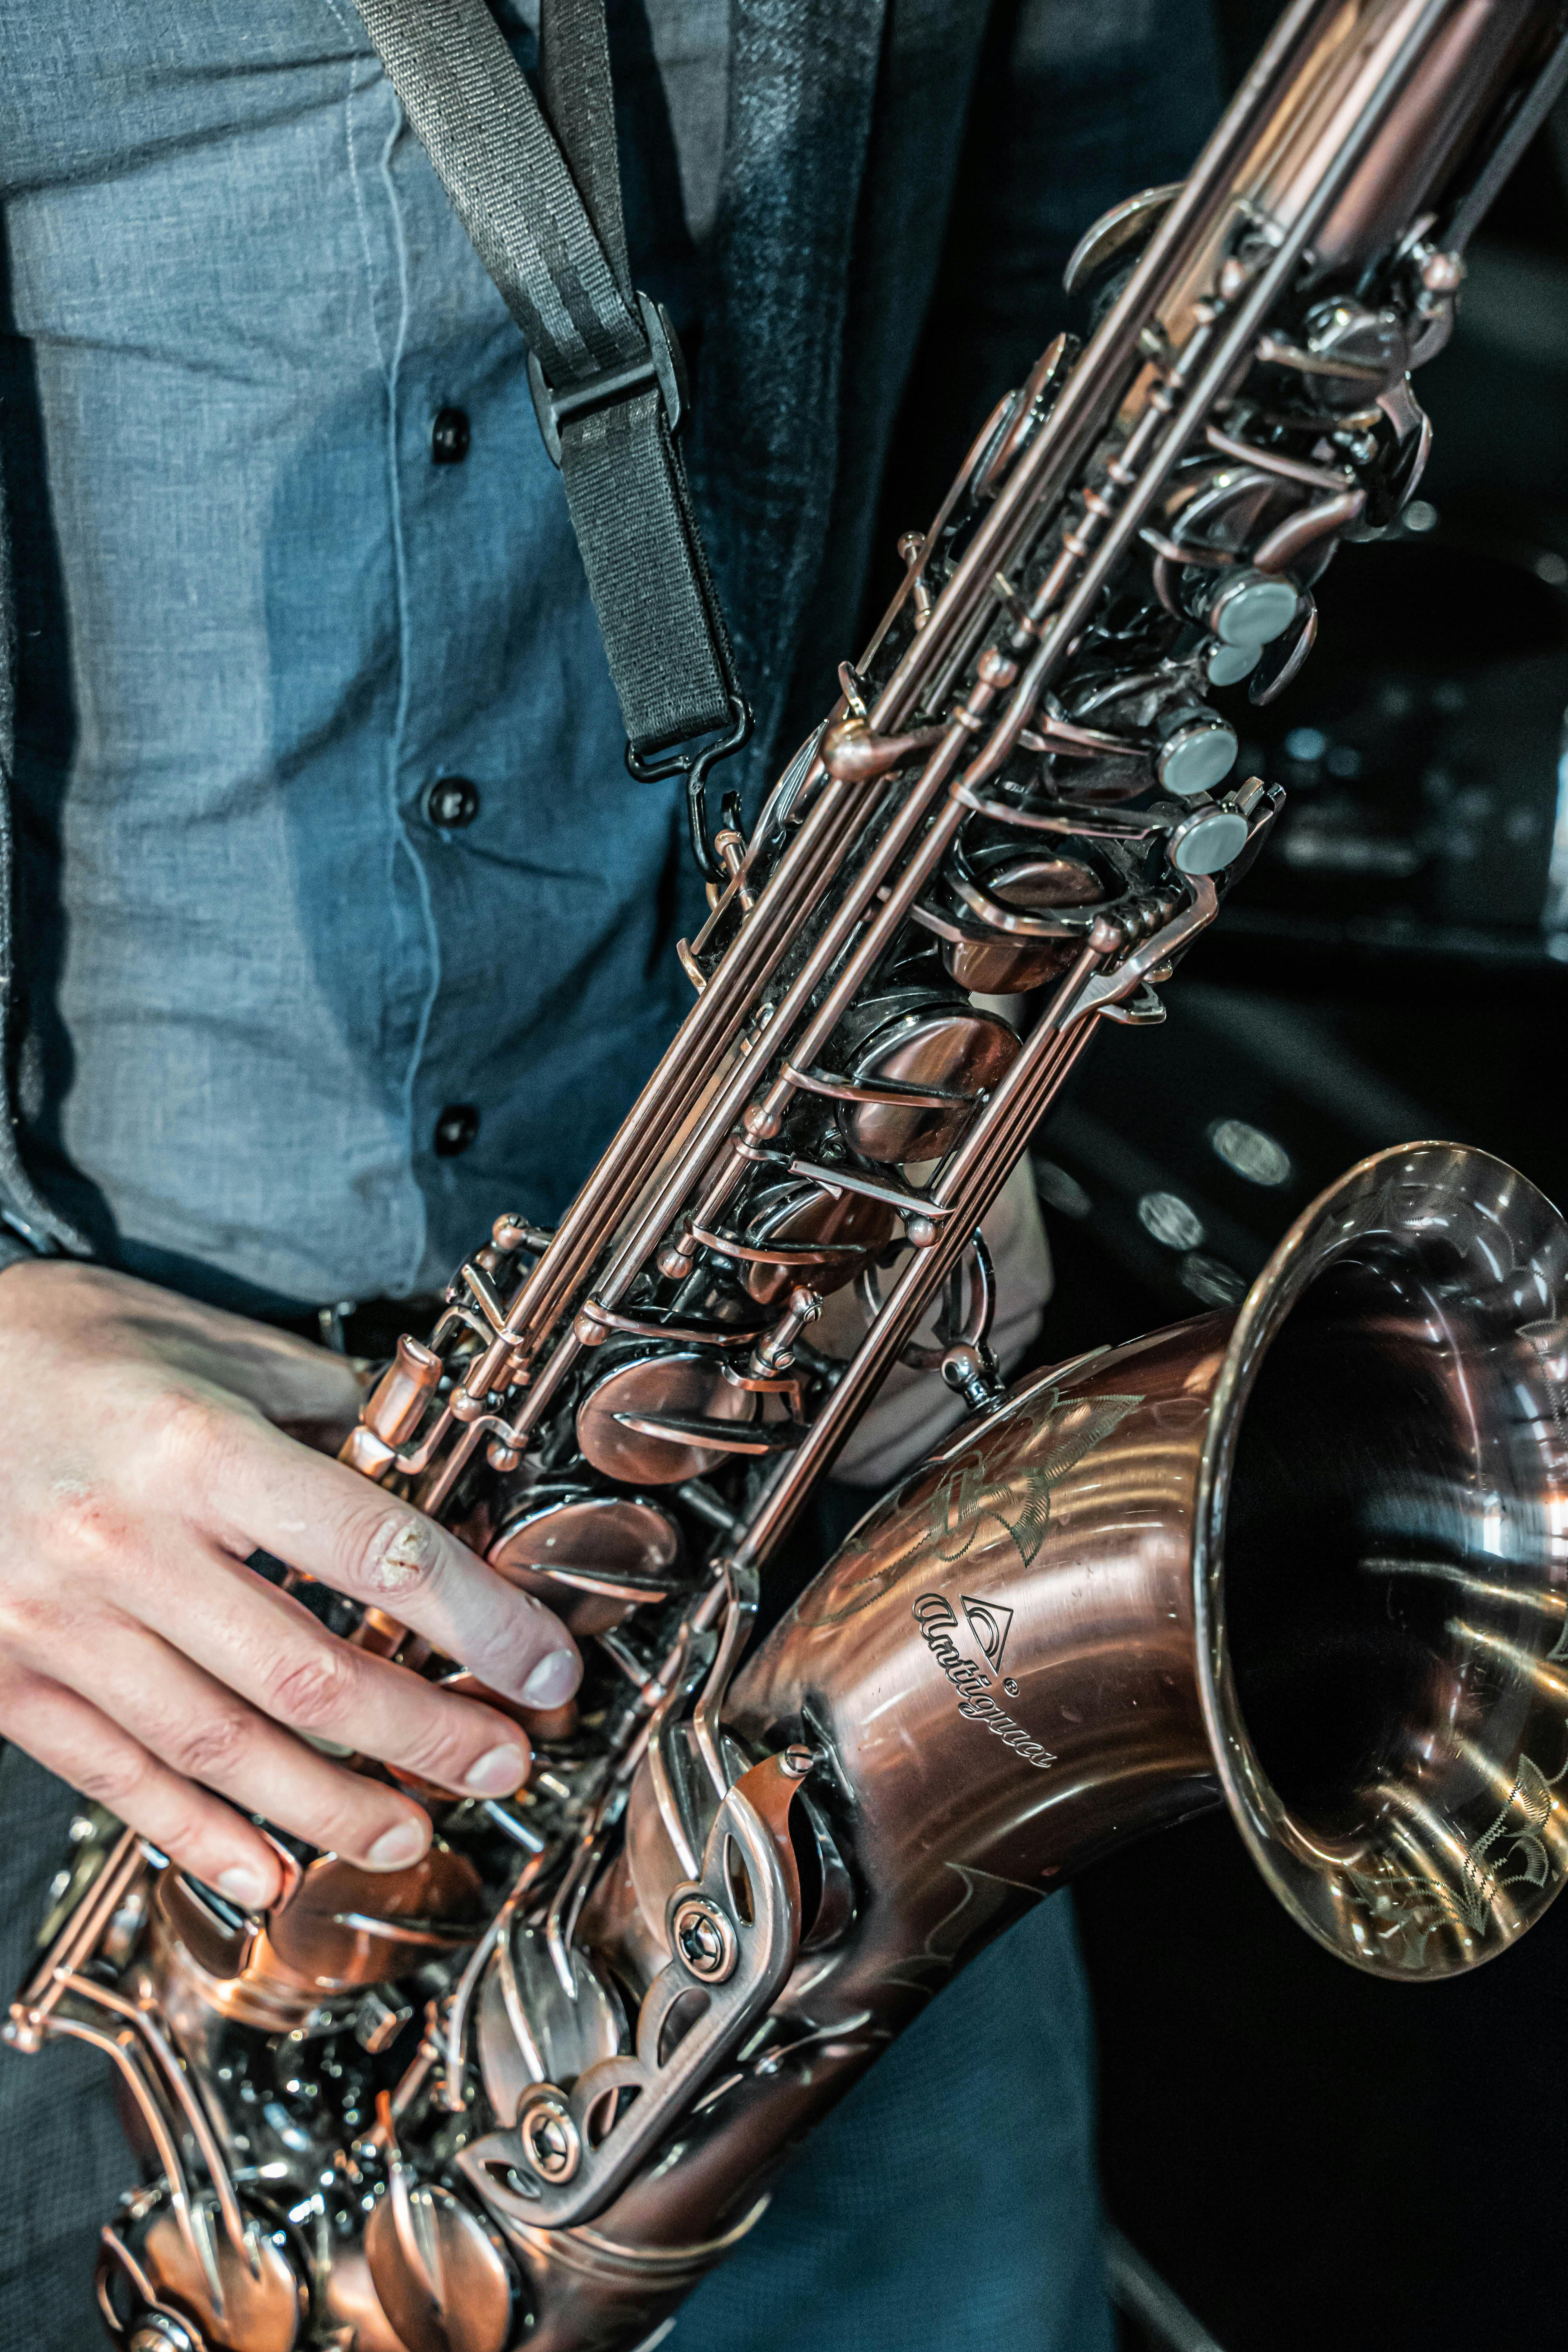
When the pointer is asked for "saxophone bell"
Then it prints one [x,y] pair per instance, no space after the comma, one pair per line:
[1310,1560]
[1307,1559]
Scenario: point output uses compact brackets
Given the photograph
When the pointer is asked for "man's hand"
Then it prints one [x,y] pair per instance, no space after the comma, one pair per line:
[143,1460]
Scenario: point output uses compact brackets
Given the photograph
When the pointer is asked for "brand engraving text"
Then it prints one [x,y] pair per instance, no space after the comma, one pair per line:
[935,1618]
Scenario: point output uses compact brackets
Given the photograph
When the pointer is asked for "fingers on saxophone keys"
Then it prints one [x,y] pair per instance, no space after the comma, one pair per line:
[324,1518]
[212,1737]
[70,1736]
[262,1645]
[402,1562]
[360,1703]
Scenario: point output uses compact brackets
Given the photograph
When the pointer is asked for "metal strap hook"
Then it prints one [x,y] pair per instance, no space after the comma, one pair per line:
[696,767]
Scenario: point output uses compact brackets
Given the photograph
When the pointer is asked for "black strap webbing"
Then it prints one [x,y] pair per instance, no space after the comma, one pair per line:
[543,209]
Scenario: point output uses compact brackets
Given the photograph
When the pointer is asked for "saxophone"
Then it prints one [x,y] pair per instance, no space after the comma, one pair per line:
[1309,1559]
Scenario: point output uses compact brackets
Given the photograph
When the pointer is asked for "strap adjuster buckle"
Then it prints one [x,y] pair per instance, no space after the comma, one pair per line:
[663,364]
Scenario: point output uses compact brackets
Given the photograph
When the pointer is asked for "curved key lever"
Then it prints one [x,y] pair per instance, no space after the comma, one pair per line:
[548,2171]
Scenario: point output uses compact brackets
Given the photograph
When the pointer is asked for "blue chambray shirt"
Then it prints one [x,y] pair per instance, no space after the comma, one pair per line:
[257,624]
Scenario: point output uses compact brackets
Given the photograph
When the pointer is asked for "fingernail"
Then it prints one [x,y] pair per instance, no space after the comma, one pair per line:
[406,1550]
[498,1773]
[246,1887]
[395,1848]
[553,1680]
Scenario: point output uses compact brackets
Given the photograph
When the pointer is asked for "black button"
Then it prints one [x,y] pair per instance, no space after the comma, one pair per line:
[449,437]
[452,801]
[455,1129]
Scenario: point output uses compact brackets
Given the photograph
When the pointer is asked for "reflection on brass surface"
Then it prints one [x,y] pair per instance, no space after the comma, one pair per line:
[963,1052]
[591,1557]
[1309,1559]
[1003,1482]
[440,2272]
[258,2305]
[355,2303]
[1414,1905]
[1005,967]
[346,1926]
[800,1215]
[679,1383]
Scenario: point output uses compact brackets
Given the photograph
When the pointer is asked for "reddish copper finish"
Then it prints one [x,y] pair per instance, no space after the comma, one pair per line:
[1310,1560]
[340,1929]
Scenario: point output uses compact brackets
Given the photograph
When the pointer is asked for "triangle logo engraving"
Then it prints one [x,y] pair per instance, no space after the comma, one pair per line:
[990,1621]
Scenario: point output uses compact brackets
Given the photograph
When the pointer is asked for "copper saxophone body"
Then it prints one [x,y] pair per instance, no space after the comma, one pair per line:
[1309,1560]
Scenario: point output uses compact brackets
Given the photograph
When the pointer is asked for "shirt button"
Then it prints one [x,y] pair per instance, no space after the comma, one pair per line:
[451,802]
[449,437]
[456,1128]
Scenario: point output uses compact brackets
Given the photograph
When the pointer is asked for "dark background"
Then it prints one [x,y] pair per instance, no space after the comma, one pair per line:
[1312,2158]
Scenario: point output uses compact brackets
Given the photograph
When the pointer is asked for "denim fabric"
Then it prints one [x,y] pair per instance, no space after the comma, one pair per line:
[64,2159]
[255,622]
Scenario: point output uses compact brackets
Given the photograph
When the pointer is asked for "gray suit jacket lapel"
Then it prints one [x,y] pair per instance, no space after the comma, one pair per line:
[27,1214]
[846,126]
[765,438]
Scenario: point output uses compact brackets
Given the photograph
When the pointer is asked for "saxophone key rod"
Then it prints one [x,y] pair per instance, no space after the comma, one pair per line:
[1359,114]
[1042,473]
[1002,809]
